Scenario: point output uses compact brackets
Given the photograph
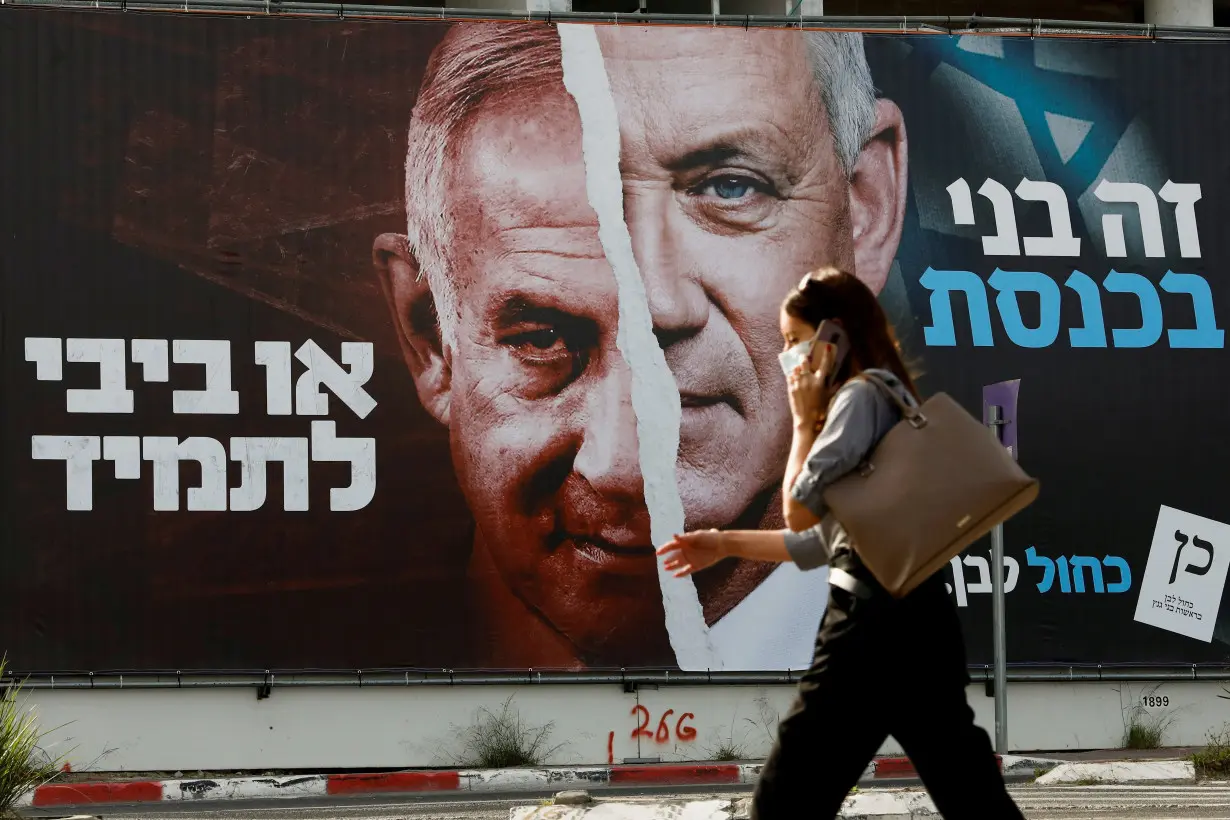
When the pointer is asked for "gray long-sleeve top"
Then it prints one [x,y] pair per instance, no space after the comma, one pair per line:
[859,416]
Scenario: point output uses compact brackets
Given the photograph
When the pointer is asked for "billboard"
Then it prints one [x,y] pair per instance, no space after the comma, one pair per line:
[349,346]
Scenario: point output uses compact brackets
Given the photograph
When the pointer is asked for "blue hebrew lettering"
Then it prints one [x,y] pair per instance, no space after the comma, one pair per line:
[1150,329]
[1048,568]
[942,283]
[1125,574]
[1009,284]
[1093,334]
[1065,581]
[1206,332]
[1200,544]
[1080,562]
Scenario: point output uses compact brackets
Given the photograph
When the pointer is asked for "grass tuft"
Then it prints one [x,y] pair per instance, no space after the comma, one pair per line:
[728,752]
[503,739]
[1145,734]
[23,766]
[1213,761]
[1143,729]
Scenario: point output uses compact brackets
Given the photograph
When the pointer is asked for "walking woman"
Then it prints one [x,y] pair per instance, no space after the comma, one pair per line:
[882,666]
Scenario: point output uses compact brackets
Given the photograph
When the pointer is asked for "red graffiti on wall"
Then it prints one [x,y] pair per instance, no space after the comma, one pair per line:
[663,733]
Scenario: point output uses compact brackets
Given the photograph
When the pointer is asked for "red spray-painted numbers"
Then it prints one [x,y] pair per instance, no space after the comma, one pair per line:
[663,732]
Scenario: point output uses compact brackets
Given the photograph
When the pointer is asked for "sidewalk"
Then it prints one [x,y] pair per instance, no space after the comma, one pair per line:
[80,789]
[1108,755]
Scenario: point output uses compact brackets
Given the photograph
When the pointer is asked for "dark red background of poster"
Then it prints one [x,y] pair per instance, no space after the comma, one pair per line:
[211,179]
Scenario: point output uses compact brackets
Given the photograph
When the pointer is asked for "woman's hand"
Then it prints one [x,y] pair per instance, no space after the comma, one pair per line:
[809,392]
[692,552]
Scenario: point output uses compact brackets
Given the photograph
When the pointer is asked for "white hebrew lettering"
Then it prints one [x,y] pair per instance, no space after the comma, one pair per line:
[360,452]
[152,355]
[217,397]
[1147,210]
[1005,241]
[983,567]
[310,400]
[1014,573]
[1061,242]
[125,451]
[78,454]
[1184,197]
[254,454]
[275,358]
[962,202]
[166,452]
[958,581]
[111,395]
[48,357]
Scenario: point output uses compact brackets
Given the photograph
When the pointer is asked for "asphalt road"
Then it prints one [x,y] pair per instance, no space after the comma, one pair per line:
[1210,802]
[1204,802]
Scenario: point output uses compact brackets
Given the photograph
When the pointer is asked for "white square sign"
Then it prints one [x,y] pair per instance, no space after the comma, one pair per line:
[1183,581]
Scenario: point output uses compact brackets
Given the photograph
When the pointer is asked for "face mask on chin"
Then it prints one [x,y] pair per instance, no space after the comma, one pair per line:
[795,356]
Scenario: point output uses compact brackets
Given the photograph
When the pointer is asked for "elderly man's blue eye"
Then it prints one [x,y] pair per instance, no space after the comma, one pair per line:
[732,187]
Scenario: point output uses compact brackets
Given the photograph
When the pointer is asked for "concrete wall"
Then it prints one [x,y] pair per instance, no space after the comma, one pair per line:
[1179,12]
[351,728]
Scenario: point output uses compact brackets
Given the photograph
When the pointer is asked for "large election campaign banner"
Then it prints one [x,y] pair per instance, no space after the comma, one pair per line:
[350,346]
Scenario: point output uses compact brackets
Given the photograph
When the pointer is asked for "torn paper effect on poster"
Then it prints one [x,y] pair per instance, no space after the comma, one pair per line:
[655,395]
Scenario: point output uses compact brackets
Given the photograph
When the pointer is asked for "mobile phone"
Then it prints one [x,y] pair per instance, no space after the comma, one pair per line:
[832,334]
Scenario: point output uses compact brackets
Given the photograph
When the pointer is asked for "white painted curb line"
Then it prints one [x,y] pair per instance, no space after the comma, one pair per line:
[244,788]
[908,804]
[1014,764]
[694,810]
[513,780]
[1127,771]
[897,804]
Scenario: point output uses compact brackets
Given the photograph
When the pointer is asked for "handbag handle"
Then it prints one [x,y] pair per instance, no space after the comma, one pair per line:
[911,413]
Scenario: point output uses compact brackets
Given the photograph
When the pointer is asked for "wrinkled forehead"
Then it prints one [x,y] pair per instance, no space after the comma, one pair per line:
[777,52]
[519,162]
[763,73]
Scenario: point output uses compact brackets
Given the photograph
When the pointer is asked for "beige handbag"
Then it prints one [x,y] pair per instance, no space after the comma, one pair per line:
[937,482]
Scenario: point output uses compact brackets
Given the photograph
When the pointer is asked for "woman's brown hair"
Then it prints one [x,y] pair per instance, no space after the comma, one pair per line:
[834,295]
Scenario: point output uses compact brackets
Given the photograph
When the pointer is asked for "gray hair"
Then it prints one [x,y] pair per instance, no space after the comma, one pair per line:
[478,62]
[839,65]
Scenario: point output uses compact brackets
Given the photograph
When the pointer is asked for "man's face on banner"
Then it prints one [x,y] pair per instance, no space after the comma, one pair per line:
[732,189]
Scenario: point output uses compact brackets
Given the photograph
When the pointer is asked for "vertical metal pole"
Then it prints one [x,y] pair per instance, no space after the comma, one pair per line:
[996,422]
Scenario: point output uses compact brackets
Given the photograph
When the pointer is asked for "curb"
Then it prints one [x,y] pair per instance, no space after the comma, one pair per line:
[479,780]
[473,780]
[1155,772]
[888,805]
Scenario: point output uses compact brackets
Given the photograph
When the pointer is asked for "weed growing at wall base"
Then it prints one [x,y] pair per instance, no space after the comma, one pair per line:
[1143,729]
[1214,759]
[22,764]
[504,739]
[1146,735]
[728,751]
